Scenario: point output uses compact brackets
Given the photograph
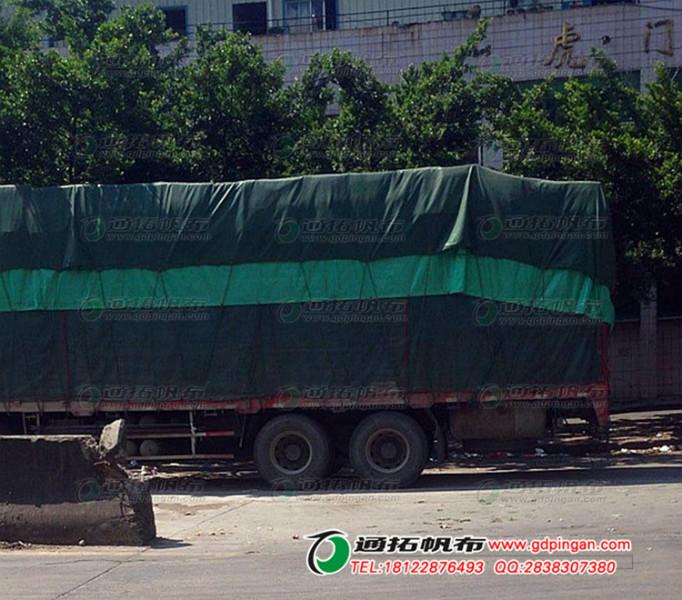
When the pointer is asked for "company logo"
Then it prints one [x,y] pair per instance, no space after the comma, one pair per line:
[542,227]
[290,396]
[289,312]
[339,557]
[92,309]
[93,229]
[490,228]
[490,396]
[135,228]
[88,490]
[87,400]
[485,312]
[488,491]
[288,231]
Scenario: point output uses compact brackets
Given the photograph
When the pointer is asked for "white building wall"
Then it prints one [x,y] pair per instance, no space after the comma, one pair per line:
[519,45]
[208,12]
[639,374]
[375,13]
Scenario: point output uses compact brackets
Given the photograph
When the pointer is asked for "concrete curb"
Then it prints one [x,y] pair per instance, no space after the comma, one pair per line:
[69,490]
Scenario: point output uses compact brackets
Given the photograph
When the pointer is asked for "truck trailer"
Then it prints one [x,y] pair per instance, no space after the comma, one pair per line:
[308,322]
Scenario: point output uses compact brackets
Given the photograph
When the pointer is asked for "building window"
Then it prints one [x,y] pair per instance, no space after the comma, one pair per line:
[579,3]
[310,15]
[176,19]
[250,18]
[330,14]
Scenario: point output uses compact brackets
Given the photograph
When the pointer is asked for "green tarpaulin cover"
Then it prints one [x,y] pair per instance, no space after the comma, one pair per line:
[429,279]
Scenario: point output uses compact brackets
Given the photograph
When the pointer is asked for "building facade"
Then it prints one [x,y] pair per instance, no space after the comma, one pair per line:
[527,39]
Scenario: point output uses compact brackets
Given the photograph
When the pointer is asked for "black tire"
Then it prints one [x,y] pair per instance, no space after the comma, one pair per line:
[131,449]
[149,448]
[389,447]
[292,449]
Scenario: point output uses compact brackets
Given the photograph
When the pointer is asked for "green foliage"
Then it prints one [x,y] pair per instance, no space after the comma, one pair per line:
[93,115]
[442,106]
[346,119]
[359,135]
[18,32]
[602,129]
[43,107]
[73,21]
[124,103]
[229,115]
[135,86]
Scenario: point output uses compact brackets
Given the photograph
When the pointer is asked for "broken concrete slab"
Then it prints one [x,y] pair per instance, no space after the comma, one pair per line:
[66,490]
[112,440]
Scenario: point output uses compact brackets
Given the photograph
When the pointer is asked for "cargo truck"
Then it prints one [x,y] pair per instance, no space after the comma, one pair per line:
[308,322]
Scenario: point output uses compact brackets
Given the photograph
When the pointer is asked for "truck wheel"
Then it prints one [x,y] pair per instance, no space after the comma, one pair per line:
[149,448]
[390,447]
[290,449]
[131,448]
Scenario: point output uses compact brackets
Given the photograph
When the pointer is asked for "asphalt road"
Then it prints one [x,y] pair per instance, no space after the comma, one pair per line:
[235,539]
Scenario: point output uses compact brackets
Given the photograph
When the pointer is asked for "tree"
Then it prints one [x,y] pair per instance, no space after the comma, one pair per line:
[73,21]
[602,129]
[343,118]
[443,106]
[436,114]
[660,252]
[94,113]
[136,66]
[41,110]
[18,31]
[229,114]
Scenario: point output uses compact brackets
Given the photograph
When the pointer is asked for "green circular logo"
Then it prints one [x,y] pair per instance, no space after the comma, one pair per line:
[488,491]
[339,557]
[284,146]
[289,312]
[490,228]
[490,396]
[92,309]
[485,312]
[290,396]
[87,400]
[88,490]
[283,489]
[93,229]
[288,231]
